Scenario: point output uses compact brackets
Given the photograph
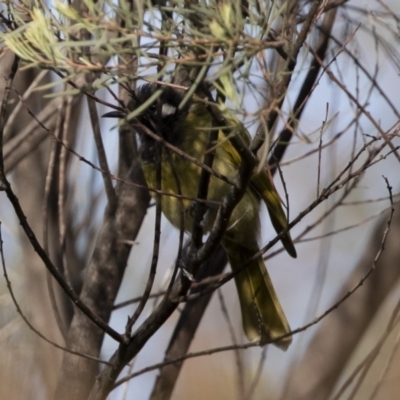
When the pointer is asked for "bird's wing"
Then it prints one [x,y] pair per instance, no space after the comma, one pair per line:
[263,184]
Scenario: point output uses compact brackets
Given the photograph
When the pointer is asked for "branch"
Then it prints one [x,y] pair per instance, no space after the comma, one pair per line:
[104,275]
[305,92]
[313,377]
[185,329]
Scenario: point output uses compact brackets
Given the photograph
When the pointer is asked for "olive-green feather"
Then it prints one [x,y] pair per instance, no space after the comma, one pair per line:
[263,184]
[262,315]
[265,187]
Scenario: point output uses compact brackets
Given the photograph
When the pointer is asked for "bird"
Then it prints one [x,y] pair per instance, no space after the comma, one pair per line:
[186,127]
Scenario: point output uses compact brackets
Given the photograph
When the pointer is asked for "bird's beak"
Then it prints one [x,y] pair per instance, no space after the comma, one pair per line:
[114,114]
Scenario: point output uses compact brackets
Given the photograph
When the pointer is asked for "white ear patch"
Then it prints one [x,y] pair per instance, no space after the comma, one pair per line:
[167,109]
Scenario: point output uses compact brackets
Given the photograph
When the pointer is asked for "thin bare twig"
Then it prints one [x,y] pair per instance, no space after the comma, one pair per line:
[293,332]
[94,119]
[25,319]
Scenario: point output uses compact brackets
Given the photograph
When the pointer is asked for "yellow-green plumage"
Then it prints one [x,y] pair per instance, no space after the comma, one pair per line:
[262,314]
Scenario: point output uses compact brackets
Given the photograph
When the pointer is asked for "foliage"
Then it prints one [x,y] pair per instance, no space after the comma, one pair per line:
[280,67]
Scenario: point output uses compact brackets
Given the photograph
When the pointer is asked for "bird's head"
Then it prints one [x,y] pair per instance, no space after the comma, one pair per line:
[164,115]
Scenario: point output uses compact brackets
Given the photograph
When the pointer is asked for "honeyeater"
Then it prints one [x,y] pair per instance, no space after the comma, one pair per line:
[187,128]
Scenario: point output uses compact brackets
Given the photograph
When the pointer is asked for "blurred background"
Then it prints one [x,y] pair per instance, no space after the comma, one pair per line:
[350,354]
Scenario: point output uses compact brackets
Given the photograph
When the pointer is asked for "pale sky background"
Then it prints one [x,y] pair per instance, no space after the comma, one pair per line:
[294,279]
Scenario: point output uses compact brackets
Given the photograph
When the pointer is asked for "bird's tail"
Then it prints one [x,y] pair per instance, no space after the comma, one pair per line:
[262,315]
